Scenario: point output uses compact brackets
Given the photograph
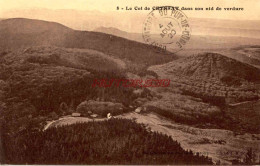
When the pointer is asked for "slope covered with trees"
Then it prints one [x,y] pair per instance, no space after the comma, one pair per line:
[213,77]
[116,141]
[36,82]
[47,76]
[205,90]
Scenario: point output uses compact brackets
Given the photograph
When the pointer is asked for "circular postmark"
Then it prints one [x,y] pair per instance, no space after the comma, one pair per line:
[168,28]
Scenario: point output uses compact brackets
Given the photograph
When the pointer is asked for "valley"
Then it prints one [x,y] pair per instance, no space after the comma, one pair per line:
[46,71]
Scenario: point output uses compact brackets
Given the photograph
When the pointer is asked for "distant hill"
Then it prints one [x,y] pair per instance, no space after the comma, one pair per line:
[21,25]
[212,65]
[111,30]
[212,77]
[117,32]
[22,33]
[197,41]
[222,27]
[248,54]
[203,89]
[90,20]
[18,32]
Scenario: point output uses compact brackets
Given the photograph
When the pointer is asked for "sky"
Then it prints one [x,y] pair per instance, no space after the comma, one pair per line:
[251,7]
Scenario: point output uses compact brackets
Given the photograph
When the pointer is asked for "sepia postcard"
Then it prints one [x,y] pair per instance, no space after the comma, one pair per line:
[130,82]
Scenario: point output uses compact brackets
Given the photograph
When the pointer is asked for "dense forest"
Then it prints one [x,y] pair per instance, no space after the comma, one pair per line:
[116,141]
[41,84]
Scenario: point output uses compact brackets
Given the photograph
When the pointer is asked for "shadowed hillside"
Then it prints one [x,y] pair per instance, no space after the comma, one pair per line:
[203,87]
[38,84]
[22,33]
[40,74]
[29,26]
[17,33]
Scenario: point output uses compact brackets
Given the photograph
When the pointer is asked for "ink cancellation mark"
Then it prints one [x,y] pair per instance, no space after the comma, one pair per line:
[168,28]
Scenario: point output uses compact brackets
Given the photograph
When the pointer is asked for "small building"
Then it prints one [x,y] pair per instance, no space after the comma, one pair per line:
[75,114]
[109,116]
[94,115]
[138,110]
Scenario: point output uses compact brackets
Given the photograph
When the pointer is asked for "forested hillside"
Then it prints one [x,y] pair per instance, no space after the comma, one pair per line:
[214,78]
[36,82]
[116,141]
[205,87]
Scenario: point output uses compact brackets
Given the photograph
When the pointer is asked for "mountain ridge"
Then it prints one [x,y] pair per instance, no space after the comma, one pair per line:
[138,55]
[217,65]
[25,25]
[111,30]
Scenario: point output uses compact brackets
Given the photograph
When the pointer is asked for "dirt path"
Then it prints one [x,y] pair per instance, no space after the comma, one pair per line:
[218,144]
[68,121]
[243,103]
